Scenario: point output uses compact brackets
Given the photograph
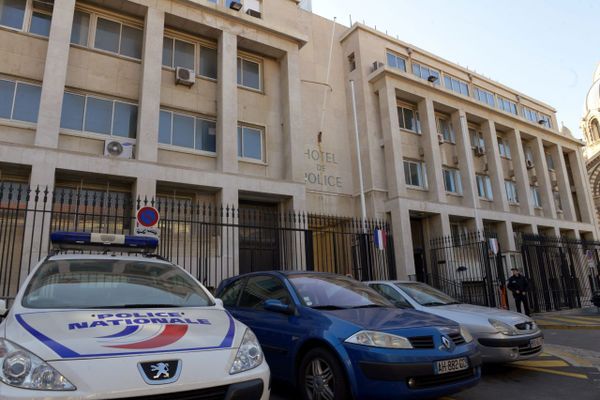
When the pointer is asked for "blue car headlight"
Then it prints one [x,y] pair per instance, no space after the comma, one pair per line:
[464,332]
[379,339]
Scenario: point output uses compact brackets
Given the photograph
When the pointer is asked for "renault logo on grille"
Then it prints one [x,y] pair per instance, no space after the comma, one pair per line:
[447,343]
[160,372]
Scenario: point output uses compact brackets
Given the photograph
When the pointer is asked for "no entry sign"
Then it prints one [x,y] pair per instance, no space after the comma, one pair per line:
[148,216]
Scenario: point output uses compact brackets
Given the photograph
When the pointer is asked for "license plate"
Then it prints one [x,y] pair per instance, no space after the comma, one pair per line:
[537,342]
[447,366]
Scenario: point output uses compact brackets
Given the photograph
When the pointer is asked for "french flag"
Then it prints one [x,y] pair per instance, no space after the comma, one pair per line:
[380,239]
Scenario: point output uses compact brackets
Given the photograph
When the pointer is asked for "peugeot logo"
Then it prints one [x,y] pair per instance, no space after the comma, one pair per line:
[160,372]
[447,343]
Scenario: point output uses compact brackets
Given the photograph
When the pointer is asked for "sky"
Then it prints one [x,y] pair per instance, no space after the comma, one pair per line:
[546,49]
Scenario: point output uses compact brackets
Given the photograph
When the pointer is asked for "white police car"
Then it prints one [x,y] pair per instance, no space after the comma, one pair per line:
[108,326]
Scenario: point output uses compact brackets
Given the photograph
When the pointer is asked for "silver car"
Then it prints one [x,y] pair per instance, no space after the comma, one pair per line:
[501,335]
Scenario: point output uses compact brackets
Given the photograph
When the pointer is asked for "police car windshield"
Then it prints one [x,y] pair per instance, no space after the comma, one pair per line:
[112,283]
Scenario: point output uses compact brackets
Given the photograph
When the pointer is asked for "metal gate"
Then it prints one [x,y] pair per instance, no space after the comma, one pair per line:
[562,272]
[469,268]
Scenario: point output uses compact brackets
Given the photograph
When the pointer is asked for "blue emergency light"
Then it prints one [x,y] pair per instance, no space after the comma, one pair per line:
[93,241]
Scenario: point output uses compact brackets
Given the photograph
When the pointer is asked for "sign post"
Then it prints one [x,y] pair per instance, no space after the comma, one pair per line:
[146,222]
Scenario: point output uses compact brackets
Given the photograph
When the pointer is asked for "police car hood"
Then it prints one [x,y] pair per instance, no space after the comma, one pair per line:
[76,334]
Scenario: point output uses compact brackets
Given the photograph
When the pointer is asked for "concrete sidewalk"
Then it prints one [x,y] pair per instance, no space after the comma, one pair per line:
[582,318]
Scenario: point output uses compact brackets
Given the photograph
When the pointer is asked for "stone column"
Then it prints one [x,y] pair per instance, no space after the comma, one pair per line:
[582,186]
[520,168]
[228,198]
[488,129]
[292,115]
[144,188]
[506,236]
[149,98]
[433,158]
[465,157]
[392,142]
[564,186]
[543,178]
[402,241]
[227,104]
[55,74]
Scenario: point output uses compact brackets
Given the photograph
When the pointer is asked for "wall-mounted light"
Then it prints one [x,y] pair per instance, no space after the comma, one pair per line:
[235,5]
[542,121]
[432,78]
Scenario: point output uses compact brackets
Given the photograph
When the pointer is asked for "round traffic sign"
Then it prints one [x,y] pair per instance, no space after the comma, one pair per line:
[148,216]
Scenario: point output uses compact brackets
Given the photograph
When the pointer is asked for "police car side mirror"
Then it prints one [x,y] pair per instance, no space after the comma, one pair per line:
[219,303]
[3,309]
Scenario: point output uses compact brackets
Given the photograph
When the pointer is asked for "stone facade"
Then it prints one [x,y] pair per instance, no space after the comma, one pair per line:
[440,170]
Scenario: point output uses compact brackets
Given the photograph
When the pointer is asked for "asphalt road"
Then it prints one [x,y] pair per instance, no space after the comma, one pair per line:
[569,368]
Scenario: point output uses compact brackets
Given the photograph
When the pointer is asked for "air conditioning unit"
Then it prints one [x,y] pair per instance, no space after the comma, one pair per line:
[421,152]
[440,138]
[184,76]
[479,151]
[529,164]
[253,13]
[118,148]
[377,65]
[455,160]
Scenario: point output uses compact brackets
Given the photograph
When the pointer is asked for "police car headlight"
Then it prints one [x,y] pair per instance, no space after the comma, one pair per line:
[464,332]
[379,339]
[25,370]
[503,327]
[249,354]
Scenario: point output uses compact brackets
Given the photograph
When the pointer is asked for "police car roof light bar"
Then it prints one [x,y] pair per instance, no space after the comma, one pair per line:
[102,241]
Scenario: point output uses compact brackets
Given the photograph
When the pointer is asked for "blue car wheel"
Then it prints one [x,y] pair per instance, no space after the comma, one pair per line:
[321,376]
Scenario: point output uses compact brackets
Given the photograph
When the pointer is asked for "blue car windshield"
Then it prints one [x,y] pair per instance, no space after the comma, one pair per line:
[335,292]
[112,283]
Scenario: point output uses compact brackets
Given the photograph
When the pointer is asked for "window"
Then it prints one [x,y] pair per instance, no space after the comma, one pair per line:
[546,120]
[391,294]
[528,154]
[445,129]
[511,192]
[19,101]
[484,187]
[503,148]
[530,115]
[459,233]
[408,119]
[177,53]
[261,288]
[250,143]
[12,13]
[535,195]
[41,16]
[427,73]
[118,38]
[507,105]
[80,29]
[187,131]
[558,201]
[456,85]
[485,97]
[452,181]
[352,62]
[550,162]
[231,293]
[208,62]
[99,115]
[414,174]
[476,139]
[395,61]
[248,73]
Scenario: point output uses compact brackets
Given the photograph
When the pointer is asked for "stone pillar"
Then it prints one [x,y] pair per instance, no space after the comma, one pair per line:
[149,98]
[392,142]
[402,241]
[227,104]
[543,178]
[465,157]
[488,129]
[520,168]
[55,74]
[582,186]
[228,198]
[433,158]
[564,186]
[506,236]
[292,115]
[144,188]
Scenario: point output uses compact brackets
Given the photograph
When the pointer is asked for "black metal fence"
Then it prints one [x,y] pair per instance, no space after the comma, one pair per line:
[212,242]
[563,273]
[469,267]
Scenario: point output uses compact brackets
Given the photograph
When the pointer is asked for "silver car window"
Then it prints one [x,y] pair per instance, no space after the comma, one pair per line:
[425,295]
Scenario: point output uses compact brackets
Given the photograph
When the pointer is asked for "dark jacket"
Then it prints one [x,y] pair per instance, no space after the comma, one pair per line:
[517,283]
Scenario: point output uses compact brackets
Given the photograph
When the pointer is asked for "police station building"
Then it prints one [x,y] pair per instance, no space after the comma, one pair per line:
[236,119]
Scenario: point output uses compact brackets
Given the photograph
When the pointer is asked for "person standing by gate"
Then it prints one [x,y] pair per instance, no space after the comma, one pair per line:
[518,285]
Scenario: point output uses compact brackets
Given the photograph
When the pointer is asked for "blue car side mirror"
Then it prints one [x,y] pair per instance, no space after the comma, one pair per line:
[278,306]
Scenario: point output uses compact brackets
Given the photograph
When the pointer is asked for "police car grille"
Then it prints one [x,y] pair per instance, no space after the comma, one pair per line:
[421,342]
[457,338]
[422,382]
[213,393]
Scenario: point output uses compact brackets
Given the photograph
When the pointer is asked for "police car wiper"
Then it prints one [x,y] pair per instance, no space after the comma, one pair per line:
[142,305]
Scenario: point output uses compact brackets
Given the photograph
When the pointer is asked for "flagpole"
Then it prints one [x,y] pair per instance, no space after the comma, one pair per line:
[363,207]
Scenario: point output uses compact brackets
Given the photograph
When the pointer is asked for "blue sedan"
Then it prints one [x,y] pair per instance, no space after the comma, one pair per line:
[334,338]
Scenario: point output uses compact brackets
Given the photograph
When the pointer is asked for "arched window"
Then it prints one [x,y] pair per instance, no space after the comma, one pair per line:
[595,134]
